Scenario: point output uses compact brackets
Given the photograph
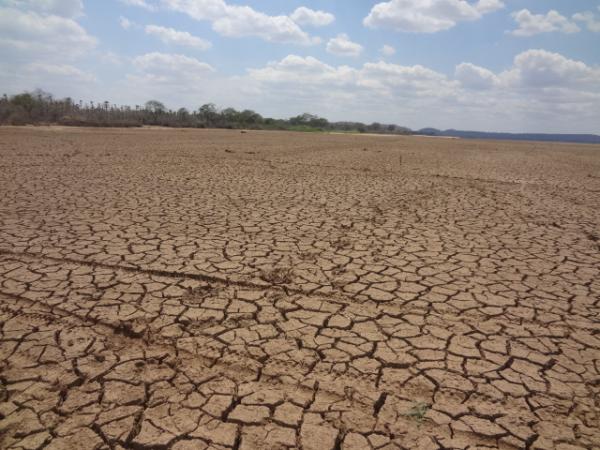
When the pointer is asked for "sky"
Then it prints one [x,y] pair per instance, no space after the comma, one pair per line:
[487,65]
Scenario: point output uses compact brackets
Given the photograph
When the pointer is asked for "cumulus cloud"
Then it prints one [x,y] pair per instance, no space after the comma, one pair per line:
[408,81]
[540,88]
[488,6]
[307,16]
[387,50]
[427,16]
[240,21]
[541,69]
[140,4]
[341,45]
[306,70]
[531,24]
[183,38]
[40,45]
[412,80]
[589,19]
[471,76]
[161,64]
[29,34]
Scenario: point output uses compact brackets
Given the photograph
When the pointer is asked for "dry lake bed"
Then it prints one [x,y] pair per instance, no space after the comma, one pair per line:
[204,289]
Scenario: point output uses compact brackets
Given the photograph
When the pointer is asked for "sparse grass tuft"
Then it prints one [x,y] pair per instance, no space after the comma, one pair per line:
[418,411]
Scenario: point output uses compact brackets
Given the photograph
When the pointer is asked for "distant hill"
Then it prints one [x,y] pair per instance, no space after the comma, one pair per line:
[576,138]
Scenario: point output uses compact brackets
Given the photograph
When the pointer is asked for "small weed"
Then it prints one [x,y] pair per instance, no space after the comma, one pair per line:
[418,411]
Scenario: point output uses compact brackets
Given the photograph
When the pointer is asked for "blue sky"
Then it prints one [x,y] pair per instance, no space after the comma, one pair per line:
[502,65]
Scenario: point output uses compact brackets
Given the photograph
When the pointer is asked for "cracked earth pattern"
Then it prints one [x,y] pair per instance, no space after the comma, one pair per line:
[217,290]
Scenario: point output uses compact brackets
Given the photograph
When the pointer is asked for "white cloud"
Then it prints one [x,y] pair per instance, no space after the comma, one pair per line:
[540,69]
[379,76]
[408,81]
[307,16]
[540,91]
[64,8]
[169,68]
[28,35]
[39,44]
[589,18]
[241,21]
[532,24]
[171,36]
[297,69]
[488,6]
[125,23]
[341,45]
[427,16]
[387,50]
[140,4]
[471,76]
[62,71]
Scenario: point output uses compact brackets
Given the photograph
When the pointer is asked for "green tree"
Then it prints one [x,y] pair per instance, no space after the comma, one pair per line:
[154,106]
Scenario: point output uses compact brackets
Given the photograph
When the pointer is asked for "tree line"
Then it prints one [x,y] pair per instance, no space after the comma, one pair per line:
[39,107]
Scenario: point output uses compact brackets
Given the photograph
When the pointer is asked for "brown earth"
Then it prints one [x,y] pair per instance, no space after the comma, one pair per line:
[191,289]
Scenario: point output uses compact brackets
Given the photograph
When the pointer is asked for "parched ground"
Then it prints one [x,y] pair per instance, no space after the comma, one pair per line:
[183,289]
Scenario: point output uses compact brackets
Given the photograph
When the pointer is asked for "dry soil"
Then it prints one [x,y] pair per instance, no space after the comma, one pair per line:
[184,289]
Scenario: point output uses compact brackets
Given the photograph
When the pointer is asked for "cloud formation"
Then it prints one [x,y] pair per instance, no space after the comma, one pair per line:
[241,21]
[310,17]
[531,24]
[538,84]
[471,76]
[589,19]
[166,66]
[29,35]
[341,45]
[140,4]
[427,16]
[183,38]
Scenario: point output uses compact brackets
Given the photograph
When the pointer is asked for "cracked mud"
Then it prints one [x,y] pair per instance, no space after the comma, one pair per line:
[217,290]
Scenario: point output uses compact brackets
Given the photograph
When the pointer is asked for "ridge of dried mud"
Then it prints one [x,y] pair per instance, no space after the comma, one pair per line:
[207,289]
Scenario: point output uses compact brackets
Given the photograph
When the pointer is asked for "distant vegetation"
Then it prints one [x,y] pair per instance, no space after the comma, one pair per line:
[38,108]
[576,138]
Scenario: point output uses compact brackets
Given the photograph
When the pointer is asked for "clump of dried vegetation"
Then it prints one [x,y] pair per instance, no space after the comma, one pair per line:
[277,275]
